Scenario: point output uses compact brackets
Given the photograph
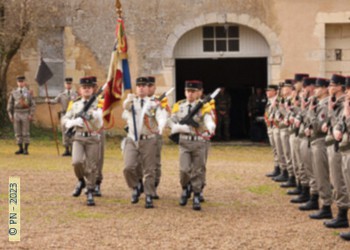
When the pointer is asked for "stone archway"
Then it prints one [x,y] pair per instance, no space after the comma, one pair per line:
[275,58]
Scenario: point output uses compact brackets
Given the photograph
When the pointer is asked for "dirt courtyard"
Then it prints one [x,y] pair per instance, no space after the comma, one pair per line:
[243,208]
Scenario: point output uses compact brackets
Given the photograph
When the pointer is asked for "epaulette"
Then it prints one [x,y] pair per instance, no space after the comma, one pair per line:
[100,103]
[70,105]
[164,103]
[177,105]
[212,103]
[206,109]
[77,99]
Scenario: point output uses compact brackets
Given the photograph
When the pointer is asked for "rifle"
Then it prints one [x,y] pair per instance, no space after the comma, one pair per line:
[342,128]
[188,119]
[83,113]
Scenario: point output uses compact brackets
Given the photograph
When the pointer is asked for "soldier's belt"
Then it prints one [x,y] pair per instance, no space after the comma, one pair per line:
[147,137]
[87,134]
[191,137]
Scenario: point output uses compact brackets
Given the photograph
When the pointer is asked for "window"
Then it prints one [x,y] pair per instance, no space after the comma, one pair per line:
[220,38]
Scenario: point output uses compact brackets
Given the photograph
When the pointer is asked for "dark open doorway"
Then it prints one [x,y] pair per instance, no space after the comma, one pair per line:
[238,75]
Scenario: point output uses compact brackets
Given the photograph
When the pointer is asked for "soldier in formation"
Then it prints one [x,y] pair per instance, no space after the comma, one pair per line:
[313,122]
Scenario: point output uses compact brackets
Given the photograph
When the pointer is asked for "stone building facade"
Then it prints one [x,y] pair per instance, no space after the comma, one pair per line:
[233,43]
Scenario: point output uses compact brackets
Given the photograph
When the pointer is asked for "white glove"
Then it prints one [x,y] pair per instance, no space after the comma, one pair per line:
[180,128]
[161,125]
[210,124]
[77,122]
[128,100]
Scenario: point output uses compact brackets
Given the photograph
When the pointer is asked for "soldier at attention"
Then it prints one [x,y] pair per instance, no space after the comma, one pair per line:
[21,108]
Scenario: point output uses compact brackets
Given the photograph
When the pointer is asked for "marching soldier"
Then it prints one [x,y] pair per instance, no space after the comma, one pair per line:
[164,106]
[271,93]
[317,115]
[63,99]
[86,140]
[145,121]
[192,143]
[336,164]
[21,108]
[341,133]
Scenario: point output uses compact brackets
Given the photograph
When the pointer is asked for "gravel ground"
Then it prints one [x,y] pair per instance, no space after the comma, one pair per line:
[243,208]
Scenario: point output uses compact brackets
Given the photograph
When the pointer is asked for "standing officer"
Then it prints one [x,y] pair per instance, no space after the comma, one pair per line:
[317,115]
[145,120]
[21,108]
[192,143]
[256,108]
[163,106]
[223,106]
[336,163]
[271,93]
[86,140]
[63,99]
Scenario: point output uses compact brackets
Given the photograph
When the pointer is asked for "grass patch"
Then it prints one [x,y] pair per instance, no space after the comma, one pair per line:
[88,215]
[261,189]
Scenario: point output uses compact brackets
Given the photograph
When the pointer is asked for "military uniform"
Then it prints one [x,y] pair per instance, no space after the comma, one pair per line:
[269,125]
[140,144]
[86,142]
[192,143]
[256,108]
[223,106]
[317,116]
[337,160]
[21,108]
[64,98]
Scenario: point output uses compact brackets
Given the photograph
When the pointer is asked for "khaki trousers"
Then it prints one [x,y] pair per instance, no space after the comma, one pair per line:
[321,170]
[85,157]
[337,175]
[279,148]
[21,126]
[306,162]
[284,133]
[296,156]
[146,152]
[346,169]
[272,143]
[192,163]
[159,159]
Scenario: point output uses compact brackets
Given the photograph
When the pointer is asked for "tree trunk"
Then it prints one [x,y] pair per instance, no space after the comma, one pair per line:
[4,64]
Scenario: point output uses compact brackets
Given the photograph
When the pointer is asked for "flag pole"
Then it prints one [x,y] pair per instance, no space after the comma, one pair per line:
[53,127]
[118,7]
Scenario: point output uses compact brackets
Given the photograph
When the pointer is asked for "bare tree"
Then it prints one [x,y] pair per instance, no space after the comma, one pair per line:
[20,20]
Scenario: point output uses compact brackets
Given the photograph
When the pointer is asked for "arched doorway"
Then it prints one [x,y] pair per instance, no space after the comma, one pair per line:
[199,49]
[230,56]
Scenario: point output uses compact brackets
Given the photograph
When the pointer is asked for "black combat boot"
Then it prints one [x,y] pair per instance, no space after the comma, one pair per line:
[90,198]
[184,197]
[66,152]
[275,172]
[295,191]
[20,149]
[345,236]
[312,204]
[149,202]
[303,197]
[290,183]
[135,195]
[341,221]
[78,188]
[155,196]
[97,190]
[189,190]
[196,202]
[25,151]
[282,177]
[324,213]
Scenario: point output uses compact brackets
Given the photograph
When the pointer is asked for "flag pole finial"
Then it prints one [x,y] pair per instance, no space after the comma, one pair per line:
[118,7]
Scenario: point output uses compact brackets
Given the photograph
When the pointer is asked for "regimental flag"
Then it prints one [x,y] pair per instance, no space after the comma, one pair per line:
[44,73]
[118,75]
